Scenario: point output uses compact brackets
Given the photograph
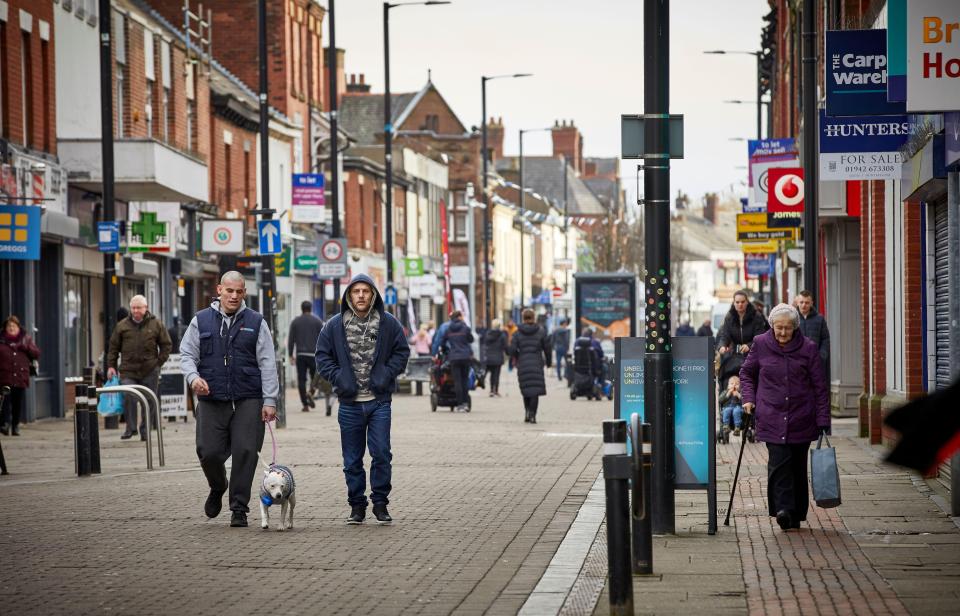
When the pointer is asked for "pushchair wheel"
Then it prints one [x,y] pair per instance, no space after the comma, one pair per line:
[433,403]
[573,395]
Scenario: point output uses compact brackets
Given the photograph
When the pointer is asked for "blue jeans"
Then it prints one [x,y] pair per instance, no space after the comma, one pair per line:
[560,355]
[737,412]
[366,425]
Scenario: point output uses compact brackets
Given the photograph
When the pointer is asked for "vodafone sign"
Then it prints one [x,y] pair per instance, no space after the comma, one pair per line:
[785,189]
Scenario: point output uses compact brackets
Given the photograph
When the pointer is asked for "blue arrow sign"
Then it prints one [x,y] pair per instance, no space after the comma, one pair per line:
[268,231]
[390,296]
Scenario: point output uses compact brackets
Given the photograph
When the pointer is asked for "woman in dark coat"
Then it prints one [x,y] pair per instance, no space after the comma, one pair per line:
[531,349]
[742,324]
[493,348]
[17,351]
[782,380]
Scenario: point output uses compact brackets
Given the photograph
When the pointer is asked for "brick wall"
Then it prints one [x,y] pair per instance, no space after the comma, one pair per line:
[232,167]
[40,116]
[878,301]
[913,289]
[568,142]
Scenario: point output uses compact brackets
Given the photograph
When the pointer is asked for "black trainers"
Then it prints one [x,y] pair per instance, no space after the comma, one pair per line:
[127,435]
[238,519]
[214,504]
[383,516]
[784,519]
[357,514]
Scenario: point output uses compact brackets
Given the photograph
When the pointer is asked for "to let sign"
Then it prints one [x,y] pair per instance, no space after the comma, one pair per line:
[307,197]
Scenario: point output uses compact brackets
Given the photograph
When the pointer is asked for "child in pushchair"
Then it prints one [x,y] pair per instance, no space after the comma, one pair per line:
[731,413]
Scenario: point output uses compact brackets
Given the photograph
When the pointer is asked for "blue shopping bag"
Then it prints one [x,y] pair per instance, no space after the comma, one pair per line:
[110,404]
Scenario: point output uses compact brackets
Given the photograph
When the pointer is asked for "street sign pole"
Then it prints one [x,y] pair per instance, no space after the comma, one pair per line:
[658,358]
[111,289]
[269,279]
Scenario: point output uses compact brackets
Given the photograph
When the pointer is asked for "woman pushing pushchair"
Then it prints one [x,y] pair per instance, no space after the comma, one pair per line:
[741,325]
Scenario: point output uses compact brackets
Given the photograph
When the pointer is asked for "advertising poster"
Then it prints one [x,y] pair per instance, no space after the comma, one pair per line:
[173,388]
[862,148]
[693,402]
[307,192]
[607,307]
[763,155]
[857,74]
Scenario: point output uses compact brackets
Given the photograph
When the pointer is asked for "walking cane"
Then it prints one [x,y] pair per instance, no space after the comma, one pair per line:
[736,475]
[4,392]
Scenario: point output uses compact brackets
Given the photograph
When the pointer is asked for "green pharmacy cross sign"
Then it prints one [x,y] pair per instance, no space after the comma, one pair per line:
[148,234]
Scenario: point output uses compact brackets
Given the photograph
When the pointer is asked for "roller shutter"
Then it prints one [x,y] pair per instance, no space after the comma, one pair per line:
[941,316]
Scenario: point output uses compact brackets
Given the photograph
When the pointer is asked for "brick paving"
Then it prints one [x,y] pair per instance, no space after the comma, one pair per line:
[481,502]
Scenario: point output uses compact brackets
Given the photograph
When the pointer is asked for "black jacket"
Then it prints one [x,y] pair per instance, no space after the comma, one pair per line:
[389,359]
[735,332]
[531,348]
[493,347]
[456,340]
[304,331]
[705,330]
[814,327]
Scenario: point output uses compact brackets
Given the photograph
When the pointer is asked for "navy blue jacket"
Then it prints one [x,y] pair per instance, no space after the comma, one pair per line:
[228,363]
[456,340]
[389,357]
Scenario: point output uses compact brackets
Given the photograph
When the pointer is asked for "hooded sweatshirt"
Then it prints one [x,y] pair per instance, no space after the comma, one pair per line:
[372,348]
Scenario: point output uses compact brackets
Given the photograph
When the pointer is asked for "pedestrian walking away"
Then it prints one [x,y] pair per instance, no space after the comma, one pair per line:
[18,351]
[814,327]
[705,329]
[531,350]
[741,325]
[361,352]
[685,329]
[561,345]
[493,348]
[228,359]
[455,341]
[422,341]
[782,381]
[301,346]
[139,346]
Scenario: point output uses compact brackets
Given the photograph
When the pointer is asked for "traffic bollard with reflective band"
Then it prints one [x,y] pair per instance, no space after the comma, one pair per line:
[93,422]
[640,518]
[81,431]
[616,474]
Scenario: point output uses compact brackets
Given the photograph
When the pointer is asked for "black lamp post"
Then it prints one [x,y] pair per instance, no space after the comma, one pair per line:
[388,126]
[488,308]
[758,56]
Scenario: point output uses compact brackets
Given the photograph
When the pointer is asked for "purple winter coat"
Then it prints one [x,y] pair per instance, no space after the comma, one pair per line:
[788,387]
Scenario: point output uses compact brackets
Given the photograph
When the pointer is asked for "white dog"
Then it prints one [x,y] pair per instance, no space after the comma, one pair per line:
[277,488]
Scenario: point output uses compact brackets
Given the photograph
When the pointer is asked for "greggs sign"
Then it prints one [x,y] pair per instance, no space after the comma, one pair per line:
[933,55]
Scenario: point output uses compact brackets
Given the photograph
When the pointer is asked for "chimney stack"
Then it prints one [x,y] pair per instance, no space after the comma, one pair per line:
[495,138]
[568,142]
[358,84]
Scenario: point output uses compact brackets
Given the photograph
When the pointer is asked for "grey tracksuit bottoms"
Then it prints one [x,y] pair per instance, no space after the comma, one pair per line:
[226,429]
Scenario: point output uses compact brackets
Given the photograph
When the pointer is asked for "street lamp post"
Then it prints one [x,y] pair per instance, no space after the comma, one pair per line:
[487,303]
[388,127]
[522,192]
[758,56]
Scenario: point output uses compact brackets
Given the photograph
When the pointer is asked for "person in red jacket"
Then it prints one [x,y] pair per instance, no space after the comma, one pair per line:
[17,351]
[782,382]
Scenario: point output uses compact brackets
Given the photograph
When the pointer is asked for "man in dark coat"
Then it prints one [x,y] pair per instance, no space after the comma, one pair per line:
[705,329]
[456,340]
[685,329]
[301,345]
[814,327]
[361,352]
[139,346]
[493,346]
[561,344]
[531,348]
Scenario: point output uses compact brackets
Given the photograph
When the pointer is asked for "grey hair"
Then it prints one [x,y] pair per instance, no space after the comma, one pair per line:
[138,299]
[785,310]
[232,275]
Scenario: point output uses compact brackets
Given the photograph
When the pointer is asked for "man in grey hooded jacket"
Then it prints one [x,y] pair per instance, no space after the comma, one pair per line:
[227,357]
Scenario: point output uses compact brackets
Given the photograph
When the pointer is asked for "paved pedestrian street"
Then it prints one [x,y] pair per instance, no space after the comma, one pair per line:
[491,516]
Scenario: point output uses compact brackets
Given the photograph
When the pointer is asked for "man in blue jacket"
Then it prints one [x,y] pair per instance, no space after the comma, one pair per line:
[456,339]
[361,352]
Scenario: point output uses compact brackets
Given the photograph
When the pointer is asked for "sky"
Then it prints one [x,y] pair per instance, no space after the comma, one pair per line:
[587,61]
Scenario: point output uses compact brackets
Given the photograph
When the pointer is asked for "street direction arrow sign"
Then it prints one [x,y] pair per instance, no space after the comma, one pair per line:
[390,296]
[268,232]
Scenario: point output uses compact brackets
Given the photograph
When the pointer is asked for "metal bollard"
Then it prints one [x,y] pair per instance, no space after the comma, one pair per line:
[93,423]
[81,432]
[641,520]
[616,473]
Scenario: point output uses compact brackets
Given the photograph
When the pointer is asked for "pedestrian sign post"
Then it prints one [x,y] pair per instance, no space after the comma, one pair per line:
[268,232]
[390,296]
[108,236]
[332,260]
[20,232]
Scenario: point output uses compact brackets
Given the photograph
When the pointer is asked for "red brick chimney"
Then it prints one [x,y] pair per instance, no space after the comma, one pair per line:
[711,202]
[341,78]
[568,142]
[495,138]
[358,84]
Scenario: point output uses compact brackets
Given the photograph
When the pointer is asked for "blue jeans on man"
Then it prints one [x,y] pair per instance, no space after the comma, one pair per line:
[736,411]
[561,354]
[366,425]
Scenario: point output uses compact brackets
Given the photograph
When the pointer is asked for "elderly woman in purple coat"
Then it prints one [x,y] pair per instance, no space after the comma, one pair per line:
[782,381]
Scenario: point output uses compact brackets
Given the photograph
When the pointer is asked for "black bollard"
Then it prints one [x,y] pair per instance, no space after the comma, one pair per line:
[82,431]
[640,516]
[93,423]
[616,473]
